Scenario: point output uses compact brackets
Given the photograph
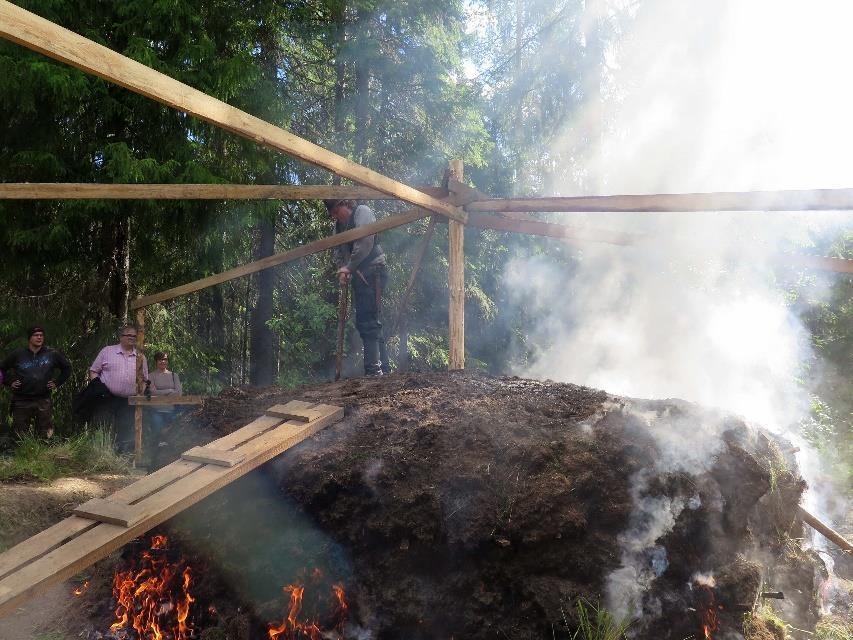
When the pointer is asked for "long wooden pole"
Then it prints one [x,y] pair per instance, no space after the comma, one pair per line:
[31,31]
[140,385]
[787,200]
[826,531]
[280,258]
[456,282]
[416,265]
[91,191]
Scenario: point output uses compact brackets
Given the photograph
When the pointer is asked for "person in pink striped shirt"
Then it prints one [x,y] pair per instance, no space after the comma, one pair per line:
[115,365]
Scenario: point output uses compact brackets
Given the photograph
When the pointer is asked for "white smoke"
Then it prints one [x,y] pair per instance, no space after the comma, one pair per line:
[732,95]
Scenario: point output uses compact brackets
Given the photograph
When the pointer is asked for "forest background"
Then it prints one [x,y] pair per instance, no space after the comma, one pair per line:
[511,87]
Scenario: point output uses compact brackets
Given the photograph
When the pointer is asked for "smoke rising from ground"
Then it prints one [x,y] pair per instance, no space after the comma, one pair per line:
[724,96]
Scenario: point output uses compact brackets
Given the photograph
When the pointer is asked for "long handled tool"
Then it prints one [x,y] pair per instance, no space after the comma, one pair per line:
[343,298]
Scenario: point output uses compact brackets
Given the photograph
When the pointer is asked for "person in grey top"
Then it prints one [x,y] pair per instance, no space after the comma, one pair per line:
[362,262]
[164,382]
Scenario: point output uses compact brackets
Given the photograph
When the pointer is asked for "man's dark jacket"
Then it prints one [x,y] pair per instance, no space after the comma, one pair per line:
[34,370]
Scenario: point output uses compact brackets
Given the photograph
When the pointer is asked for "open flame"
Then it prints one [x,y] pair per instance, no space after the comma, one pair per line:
[292,628]
[705,585]
[79,591]
[153,596]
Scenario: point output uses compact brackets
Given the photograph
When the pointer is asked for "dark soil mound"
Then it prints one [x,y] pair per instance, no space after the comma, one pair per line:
[482,507]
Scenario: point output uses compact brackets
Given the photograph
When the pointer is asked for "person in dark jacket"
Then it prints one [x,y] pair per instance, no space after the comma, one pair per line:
[363,262]
[31,374]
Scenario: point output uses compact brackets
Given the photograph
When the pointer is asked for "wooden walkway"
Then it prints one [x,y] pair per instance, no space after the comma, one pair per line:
[103,525]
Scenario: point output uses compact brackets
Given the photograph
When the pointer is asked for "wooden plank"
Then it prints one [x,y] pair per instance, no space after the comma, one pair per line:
[92,545]
[93,191]
[290,413]
[534,227]
[157,401]
[280,258]
[105,510]
[140,384]
[38,34]
[456,282]
[51,538]
[208,455]
[826,531]
[787,200]
[416,265]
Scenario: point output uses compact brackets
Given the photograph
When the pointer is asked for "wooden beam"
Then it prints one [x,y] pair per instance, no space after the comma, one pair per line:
[551,230]
[36,33]
[90,191]
[70,546]
[161,401]
[416,265]
[280,258]
[456,280]
[826,531]
[140,385]
[813,200]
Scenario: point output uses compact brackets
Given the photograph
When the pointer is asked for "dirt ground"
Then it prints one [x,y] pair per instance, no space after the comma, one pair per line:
[471,506]
[460,505]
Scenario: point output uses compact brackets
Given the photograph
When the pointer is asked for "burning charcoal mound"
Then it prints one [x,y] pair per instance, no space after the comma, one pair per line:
[469,506]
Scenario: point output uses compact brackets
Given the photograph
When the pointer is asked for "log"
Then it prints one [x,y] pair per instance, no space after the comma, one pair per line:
[826,531]
[456,282]
[36,33]
[140,383]
[160,401]
[416,265]
[788,200]
[280,258]
[90,191]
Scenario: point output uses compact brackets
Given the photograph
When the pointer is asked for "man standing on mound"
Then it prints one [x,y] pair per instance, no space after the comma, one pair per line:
[30,373]
[363,262]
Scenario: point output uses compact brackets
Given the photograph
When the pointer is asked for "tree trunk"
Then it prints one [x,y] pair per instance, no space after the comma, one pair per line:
[262,348]
[116,266]
[362,89]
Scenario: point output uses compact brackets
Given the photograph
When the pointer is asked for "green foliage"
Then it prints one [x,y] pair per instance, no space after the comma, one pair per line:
[597,623]
[763,621]
[81,455]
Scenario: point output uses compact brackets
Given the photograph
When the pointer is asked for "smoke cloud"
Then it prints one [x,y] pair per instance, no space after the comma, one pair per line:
[723,96]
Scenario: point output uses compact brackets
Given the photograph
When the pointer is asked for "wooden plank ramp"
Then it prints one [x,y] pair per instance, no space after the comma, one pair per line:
[101,526]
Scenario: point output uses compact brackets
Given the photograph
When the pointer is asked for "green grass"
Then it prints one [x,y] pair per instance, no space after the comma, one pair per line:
[81,455]
[834,628]
[597,623]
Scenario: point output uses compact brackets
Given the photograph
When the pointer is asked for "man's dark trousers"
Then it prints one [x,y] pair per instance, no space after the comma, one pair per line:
[27,410]
[368,285]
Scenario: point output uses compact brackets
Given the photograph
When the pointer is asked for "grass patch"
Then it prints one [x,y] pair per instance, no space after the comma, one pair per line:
[834,628]
[597,623]
[85,454]
[764,624]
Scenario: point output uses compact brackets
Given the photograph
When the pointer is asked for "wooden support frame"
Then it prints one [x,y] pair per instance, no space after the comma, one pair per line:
[91,191]
[280,258]
[416,265]
[786,200]
[36,33]
[75,543]
[456,280]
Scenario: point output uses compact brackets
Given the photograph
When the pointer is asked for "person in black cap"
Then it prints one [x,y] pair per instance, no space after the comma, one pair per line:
[30,373]
[363,262]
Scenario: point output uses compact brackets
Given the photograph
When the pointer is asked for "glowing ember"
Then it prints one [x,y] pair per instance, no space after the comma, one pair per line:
[153,596]
[708,606]
[79,591]
[292,628]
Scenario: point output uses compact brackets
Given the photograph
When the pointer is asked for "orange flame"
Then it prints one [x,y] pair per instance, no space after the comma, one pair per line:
[79,591]
[145,601]
[292,628]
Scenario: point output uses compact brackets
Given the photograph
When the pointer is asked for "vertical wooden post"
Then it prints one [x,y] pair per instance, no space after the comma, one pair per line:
[140,385]
[456,282]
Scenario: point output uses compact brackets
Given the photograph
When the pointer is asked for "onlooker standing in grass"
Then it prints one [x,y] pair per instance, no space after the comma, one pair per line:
[164,382]
[116,367]
[30,372]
